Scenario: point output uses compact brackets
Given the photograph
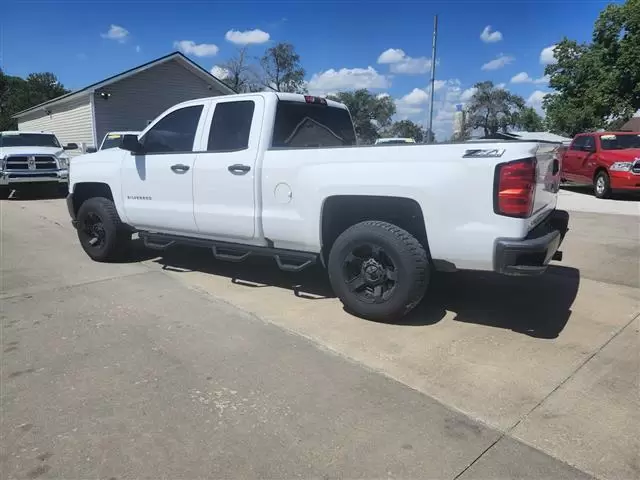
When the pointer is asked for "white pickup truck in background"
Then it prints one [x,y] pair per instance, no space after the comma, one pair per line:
[280,175]
[34,159]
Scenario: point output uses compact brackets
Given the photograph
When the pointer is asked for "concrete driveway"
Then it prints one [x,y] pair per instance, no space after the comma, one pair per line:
[181,366]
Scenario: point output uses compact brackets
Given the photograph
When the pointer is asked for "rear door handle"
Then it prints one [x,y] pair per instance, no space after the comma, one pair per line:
[179,168]
[238,169]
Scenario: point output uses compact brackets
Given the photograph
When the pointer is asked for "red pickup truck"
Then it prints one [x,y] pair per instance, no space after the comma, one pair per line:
[610,161]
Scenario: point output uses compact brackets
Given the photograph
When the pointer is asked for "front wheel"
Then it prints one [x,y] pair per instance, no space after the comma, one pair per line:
[602,183]
[101,233]
[378,270]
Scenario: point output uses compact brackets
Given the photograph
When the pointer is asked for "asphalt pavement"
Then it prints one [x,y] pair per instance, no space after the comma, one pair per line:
[156,368]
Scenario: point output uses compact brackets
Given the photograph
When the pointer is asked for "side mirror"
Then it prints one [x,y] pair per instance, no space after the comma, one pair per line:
[91,150]
[70,146]
[130,142]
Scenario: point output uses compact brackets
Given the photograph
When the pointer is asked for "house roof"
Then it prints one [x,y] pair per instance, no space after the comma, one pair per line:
[177,56]
[633,125]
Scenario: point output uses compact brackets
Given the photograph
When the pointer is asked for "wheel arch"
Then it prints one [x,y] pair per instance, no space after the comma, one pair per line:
[85,190]
[339,212]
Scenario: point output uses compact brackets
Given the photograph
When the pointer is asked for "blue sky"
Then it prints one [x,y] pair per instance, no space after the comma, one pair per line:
[385,46]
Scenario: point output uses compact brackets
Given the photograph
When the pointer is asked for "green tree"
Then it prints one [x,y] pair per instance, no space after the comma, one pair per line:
[42,87]
[597,82]
[17,94]
[409,129]
[282,70]
[371,114]
[529,120]
[493,109]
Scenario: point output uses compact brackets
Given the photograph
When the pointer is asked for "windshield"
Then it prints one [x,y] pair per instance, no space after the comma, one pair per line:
[300,125]
[620,142]
[28,140]
[112,140]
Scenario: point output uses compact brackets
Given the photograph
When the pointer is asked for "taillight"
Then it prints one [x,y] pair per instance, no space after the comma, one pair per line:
[515,186]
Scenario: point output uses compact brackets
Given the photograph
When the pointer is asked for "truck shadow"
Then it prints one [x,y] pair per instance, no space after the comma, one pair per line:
[35,193]
[535,306]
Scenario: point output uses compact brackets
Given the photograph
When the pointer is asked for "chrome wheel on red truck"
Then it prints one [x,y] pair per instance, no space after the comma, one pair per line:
[378,270]
[602,185]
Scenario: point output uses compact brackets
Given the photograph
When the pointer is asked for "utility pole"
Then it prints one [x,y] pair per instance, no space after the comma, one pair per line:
[433,75]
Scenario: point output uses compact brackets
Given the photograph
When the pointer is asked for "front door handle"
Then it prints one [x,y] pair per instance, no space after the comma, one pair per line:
[179,168]
[238,169]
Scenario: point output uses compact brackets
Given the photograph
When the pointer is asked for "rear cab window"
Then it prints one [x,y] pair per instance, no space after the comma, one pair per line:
[311,125]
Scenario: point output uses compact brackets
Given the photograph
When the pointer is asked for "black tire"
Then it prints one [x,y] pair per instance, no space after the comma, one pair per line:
[101,233]
[602,185]
[395,253]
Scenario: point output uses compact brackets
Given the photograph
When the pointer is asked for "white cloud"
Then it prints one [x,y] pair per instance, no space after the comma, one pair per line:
[383,95]
[347,79]
[391,55]
[248,37]
[117,33]
[497,63]
[535,100]
[547,55]
[189,47]
[138,49]
[448,93]
[220,72]
[468,94]
[400,62]
[523,77]
[488,36]
[501,86]
[416,97]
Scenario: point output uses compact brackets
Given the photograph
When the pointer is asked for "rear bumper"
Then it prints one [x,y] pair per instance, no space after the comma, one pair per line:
[18,177]
[624,181]
[532,254]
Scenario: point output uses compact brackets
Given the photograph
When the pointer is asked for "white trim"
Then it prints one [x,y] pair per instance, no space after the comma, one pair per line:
[92,102]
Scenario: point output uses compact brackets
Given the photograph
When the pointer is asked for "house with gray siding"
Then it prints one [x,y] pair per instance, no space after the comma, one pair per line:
[127,101]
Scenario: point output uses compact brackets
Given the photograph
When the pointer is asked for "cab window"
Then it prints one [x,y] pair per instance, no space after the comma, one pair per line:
[175,132]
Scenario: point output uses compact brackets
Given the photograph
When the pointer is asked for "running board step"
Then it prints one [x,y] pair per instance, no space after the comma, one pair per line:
[287,260]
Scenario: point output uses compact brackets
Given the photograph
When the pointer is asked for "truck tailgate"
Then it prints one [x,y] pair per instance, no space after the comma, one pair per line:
[547,182]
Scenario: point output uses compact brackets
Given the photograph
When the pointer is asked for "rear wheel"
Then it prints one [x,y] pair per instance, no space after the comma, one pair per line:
[602,185]
[378,270]
[101,233]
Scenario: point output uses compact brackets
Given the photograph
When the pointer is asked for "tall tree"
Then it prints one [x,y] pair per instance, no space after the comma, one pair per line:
[282,70]
[370,113]
[17,94]
[493,109]
[529,120]
[42,87]
[599,81]
[242,75]
[409,129]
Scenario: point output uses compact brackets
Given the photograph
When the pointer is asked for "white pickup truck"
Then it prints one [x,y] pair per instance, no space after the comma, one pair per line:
[280,175]
[32,159]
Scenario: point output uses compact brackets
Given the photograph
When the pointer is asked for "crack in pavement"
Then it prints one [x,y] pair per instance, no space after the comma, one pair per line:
[508,431]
